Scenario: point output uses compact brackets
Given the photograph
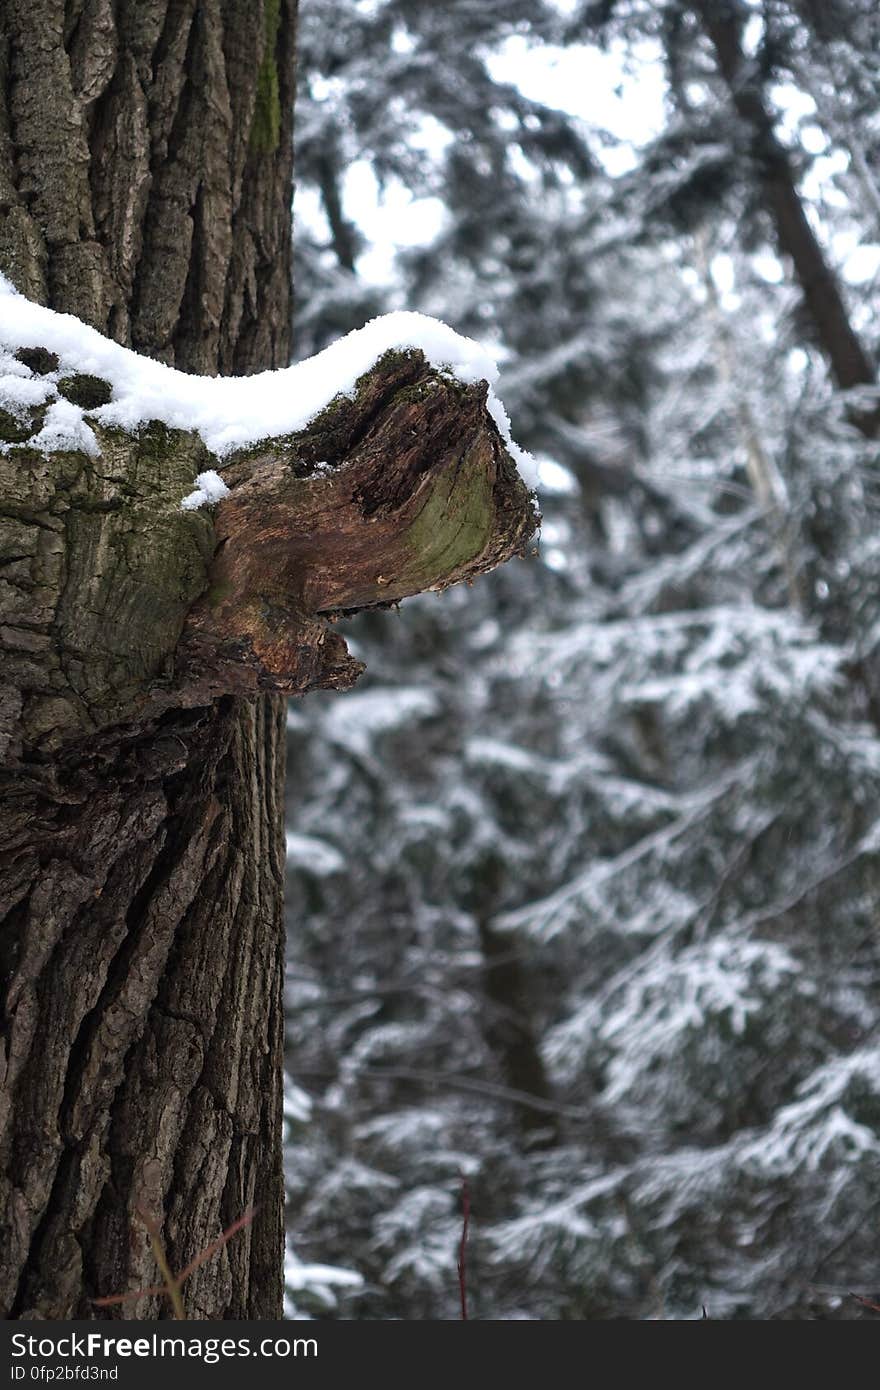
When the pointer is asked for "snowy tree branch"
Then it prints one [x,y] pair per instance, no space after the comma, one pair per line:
[380,468]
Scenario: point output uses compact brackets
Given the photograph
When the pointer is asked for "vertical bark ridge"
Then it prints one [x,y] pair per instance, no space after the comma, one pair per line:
[144,186]
[145,1031]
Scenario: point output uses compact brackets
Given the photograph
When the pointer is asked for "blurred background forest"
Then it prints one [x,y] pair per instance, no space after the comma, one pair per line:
[583,879]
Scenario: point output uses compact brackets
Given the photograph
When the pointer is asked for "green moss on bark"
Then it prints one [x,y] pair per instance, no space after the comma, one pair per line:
[85,390]
[12,429]
[266,125]
[39,359]
[330,434]
[455,524]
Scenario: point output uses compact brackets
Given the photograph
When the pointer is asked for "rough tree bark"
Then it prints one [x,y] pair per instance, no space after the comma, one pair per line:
[145,185]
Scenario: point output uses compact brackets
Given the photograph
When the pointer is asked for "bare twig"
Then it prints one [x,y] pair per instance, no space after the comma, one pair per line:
[866,1302]
[210,1250]
[173,1283]
[462,1247]
[456,1082]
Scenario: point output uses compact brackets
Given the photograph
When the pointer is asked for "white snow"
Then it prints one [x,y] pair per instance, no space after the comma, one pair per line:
[310,853]
[302,1276]
[367,714]
[210,487]
[18,392]
[819,1128]
[65,428]
[228,412]
[297,1103]
[318,1281]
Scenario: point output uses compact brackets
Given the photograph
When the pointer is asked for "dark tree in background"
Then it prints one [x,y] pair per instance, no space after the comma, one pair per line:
[590,897]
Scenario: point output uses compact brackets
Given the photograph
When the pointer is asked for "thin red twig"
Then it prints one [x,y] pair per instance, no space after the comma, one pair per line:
[109,1300]
[462,1248]
[244,1220]
[866,1302]
[203,1256]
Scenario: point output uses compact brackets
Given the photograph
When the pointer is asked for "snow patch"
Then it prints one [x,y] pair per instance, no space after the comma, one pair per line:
[367,714]
[318,1282]
[307,1276]
[314,855]
[228,413]
[210,488]
[65,428]
[19,391]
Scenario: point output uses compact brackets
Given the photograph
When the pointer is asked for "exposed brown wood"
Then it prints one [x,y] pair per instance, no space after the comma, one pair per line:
[117,605]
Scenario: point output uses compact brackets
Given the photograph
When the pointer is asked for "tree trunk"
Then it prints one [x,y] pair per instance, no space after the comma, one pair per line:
[507,1015]
[146,177]
[849,359]
[145,186]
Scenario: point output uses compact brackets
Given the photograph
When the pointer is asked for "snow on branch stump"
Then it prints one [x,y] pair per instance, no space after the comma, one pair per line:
[378,469]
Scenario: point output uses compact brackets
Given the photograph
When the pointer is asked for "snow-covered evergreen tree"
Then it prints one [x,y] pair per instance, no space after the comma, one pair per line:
[584,908]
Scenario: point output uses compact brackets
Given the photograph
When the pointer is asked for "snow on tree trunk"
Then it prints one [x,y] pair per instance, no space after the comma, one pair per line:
[146,173]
